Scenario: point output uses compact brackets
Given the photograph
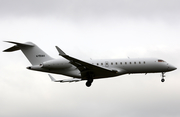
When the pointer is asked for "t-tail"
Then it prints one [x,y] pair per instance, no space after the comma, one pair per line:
[33,53]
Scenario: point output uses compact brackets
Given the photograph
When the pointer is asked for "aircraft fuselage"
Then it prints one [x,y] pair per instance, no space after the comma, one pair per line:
[122,66]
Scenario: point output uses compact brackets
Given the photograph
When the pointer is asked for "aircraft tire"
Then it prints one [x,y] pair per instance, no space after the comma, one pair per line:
[88,84]
[162,80]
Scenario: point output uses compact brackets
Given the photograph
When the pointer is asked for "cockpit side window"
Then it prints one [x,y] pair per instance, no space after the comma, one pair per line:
[159,60]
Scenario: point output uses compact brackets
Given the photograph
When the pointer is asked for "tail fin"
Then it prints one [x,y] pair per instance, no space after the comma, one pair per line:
[33,53]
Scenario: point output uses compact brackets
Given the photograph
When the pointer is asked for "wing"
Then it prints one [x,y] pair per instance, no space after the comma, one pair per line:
[89,69]
[65,80]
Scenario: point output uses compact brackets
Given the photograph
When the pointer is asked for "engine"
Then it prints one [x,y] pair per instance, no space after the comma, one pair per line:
[55,64]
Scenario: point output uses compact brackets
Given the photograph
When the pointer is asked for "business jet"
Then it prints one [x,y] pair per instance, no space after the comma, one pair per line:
[87,70]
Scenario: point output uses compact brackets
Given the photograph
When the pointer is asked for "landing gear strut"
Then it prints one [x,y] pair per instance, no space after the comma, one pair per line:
[162,80]
[89,79]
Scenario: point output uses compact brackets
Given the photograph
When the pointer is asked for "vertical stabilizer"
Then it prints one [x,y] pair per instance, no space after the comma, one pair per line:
[33,53]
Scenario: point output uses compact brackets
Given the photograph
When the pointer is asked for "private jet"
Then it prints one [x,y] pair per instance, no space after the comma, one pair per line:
[88,70]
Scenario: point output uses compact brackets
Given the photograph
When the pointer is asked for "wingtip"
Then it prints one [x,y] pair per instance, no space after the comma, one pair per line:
[60,51]
[52,79]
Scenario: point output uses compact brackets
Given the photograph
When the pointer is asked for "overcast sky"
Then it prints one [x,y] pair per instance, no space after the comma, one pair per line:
[96,29]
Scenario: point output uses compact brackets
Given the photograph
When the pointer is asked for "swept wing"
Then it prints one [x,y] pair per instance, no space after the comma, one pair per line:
[87,68]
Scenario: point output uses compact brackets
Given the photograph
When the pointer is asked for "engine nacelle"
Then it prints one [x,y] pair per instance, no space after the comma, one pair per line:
[55,64]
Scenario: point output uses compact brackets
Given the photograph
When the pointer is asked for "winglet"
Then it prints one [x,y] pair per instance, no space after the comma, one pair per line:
[60,51]
[54,80]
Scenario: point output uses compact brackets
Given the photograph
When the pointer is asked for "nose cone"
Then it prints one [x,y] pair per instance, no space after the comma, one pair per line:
[171,68]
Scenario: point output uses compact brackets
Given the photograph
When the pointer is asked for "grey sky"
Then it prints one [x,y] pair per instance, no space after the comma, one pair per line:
[164,9]
[90,29]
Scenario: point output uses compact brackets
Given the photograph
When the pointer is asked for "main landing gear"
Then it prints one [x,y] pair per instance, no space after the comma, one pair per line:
[89,82]
[89,79]
[162,80]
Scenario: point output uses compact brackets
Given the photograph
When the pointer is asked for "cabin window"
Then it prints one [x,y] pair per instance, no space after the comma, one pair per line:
[116,63]
[139,62]
[134,62]
[125,62]
[101,63]
[121,63]
[129,62]
[144,62]
[111,63]
[97,63]
[160,60]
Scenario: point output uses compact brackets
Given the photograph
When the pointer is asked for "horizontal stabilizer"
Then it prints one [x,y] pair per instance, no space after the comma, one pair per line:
[22,44]
[15,48]
[11,49]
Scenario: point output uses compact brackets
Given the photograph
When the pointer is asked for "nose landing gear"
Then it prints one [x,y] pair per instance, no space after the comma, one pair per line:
[162,80]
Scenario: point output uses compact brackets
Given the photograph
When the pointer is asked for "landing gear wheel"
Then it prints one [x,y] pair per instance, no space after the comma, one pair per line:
[162,80]
[88,84]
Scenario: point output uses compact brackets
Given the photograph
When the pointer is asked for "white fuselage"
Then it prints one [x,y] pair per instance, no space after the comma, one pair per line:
[122,66]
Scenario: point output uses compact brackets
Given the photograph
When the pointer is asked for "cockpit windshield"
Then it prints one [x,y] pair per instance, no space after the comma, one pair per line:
[160,60]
